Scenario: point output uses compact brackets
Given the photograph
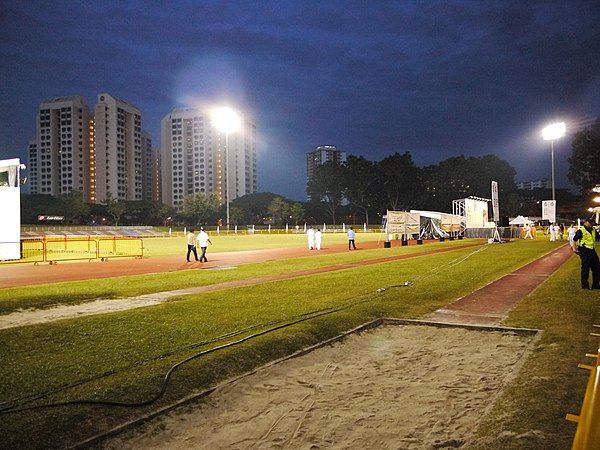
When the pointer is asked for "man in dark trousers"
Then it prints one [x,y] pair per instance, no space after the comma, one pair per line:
[351,238]
[586,238]
[191,244]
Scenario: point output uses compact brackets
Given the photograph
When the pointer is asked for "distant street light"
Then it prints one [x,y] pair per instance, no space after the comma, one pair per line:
[551,133]
[226,120]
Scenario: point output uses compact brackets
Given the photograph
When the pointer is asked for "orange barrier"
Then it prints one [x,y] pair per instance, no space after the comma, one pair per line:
[120,247]
[55,249]
[587,436]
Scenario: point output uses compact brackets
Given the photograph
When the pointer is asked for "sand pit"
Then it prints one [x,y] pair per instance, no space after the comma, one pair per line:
[406,386]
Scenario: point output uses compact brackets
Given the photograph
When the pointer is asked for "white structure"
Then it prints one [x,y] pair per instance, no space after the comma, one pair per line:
[10,199]
[534,184]
[473,212]
[194,157]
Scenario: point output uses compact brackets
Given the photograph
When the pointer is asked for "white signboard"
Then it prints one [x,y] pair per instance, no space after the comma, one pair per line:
[495,204]
[549,210]
[476,212]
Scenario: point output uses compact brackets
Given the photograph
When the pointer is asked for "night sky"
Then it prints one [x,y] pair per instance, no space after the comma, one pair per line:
[437,79]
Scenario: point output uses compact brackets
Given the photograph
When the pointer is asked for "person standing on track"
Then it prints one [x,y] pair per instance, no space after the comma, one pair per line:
[318,238]
[310,234]
[528,231]
[191,245]
[571,235]
[203,241]
[586,237]
[351,239]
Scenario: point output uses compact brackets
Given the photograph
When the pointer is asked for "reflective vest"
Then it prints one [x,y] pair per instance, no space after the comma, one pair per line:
[587,238]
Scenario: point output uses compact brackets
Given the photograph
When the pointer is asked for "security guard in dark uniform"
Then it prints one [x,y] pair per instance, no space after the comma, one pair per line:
[586,237]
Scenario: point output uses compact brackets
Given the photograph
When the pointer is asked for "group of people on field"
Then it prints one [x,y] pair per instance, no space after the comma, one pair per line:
[315,238]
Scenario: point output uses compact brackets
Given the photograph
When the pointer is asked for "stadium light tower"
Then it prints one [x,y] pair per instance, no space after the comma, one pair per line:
[226,120]
[551,133]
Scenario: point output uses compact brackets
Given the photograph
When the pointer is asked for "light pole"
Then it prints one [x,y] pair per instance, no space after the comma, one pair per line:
[226,120]
[551,133]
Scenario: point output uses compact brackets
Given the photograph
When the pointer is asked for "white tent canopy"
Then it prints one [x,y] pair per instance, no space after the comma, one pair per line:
[519,220]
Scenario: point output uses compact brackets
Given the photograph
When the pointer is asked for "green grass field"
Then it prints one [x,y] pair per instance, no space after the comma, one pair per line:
[124,356]
[232,242]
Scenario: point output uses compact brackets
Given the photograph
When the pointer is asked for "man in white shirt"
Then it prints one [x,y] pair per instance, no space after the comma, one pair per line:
[203,241]
[310,234]
[351,239]
[318,238]
[553,228]
[571,235]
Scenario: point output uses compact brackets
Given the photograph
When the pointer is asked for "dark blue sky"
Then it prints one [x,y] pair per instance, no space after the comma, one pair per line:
[435,78]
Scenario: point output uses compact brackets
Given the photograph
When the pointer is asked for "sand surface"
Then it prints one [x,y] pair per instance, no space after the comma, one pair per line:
[393,387]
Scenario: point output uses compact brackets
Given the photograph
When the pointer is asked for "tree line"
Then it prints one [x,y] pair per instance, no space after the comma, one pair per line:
[368,188]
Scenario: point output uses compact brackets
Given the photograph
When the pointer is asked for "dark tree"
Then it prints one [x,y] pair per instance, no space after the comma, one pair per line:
[72,206]
[255,207]
[362,184]
[116,208]
[327,186]
[584,162]
[198,207]
[400,182]
[459,177]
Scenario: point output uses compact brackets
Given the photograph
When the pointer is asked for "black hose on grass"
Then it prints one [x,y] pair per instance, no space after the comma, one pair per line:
[19,407]
[10,405]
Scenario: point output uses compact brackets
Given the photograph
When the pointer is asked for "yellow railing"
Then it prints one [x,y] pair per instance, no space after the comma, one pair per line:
[55,249]
[587,435]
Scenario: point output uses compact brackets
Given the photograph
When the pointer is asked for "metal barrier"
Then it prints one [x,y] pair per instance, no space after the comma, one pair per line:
[55,249]
[587,435]
[120,247]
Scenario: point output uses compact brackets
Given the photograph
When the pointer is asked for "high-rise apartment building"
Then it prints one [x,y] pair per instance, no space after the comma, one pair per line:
[194,158]
[117,150]
[99,154]
[322,154]
[59,156]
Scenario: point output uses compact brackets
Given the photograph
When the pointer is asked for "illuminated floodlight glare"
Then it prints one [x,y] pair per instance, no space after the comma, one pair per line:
[596,189]
[226,120]
[554,131]
[597,199]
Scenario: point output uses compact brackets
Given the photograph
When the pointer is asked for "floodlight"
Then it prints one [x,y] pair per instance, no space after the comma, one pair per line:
[551,133]
[554,131]
[226,120]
